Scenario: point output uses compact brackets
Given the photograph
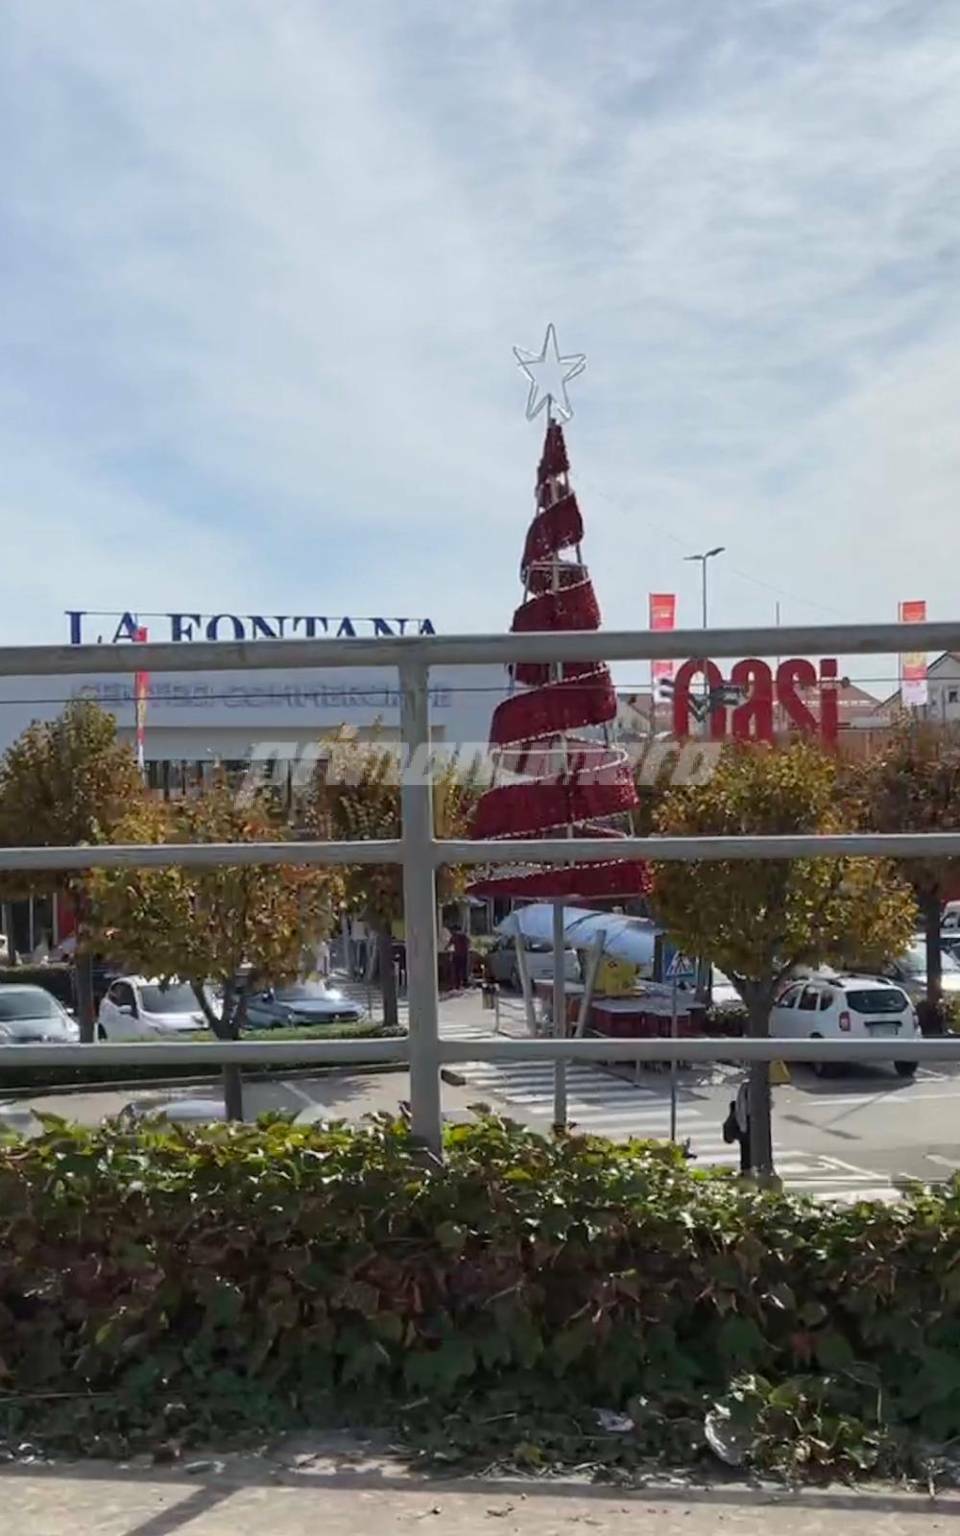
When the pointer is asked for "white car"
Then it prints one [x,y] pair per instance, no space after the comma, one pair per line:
[138,1009]
[845,1008]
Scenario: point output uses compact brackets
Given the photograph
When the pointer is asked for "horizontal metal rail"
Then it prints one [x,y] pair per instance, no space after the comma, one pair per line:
[487,1048]
[899,845]
[477,650]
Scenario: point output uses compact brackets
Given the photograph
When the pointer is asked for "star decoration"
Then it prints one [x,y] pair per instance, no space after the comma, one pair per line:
[549,375]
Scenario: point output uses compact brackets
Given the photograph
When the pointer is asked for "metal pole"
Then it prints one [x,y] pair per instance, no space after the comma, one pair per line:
[559,1021]
[673,1063]
[420,906]
[703,567]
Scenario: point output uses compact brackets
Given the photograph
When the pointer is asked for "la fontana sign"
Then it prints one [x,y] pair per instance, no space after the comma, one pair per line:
[755,699]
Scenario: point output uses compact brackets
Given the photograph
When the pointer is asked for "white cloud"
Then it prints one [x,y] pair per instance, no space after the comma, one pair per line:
[265,262]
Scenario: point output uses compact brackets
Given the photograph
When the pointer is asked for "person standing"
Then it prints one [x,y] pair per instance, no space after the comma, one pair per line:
[736,1127]
[460,944]
[323,958]
[358,944]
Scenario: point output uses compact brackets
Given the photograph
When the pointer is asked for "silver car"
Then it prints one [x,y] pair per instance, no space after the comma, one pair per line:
[909,971]
[503,966]
[30,1016]
[301,1002]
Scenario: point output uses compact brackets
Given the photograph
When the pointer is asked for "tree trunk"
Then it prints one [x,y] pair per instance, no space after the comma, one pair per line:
[930,906]
[233,1093]
[761,1132]
[388,976]
[226,1026]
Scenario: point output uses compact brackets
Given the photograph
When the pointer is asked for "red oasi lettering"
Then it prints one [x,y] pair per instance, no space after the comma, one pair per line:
[792,675]
[681,698]
[753,719]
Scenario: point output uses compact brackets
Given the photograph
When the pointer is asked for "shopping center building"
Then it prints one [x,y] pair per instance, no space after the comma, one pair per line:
[200,722]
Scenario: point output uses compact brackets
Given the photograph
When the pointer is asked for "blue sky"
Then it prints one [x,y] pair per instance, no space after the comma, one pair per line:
[263,263]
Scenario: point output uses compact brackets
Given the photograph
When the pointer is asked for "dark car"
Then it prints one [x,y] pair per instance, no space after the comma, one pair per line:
[301,1002]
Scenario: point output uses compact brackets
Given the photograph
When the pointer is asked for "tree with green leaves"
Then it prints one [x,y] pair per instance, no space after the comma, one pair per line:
[226,929]
[64,783]
[760,920]
[355,795]
[912,784]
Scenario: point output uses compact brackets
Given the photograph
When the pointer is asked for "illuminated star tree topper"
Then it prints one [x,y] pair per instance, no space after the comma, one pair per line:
[549,374]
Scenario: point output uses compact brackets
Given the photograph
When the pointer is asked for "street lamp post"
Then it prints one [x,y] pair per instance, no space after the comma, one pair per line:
[707,555]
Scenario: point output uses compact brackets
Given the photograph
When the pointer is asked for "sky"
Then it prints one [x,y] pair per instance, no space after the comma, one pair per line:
[262,264]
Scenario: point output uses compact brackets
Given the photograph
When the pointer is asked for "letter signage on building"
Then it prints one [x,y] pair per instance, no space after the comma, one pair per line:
[744,706]
[86,626]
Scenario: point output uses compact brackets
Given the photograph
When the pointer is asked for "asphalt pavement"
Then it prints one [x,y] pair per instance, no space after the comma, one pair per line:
[845,1138]
[102,1501]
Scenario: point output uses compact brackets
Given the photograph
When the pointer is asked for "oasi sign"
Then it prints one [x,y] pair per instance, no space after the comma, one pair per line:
[745,703]
[233,626]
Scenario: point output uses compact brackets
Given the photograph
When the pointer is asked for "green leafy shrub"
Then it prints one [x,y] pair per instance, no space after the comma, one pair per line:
[171,1285]
[17,1079]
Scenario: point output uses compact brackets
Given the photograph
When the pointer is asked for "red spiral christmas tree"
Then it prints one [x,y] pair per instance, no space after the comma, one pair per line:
[558,769]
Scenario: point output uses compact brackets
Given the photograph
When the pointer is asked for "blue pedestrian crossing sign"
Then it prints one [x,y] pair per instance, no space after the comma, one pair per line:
[679,967]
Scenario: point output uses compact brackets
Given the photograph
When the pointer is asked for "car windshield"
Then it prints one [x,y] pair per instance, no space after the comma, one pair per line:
[301,992]
[178,997]
[915,961]
[878,1000]
[27,1003]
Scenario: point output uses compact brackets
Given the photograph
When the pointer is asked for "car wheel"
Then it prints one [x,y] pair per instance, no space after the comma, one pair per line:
[820,1068]
[905,1068]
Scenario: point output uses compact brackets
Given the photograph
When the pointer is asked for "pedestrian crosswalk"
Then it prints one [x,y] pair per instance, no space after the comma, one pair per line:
[602,1104]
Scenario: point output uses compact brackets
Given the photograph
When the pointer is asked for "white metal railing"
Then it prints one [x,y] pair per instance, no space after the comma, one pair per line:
[419,852]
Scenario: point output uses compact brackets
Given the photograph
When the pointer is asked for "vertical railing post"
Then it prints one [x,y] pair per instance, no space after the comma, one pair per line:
[420,904]
[559,1019]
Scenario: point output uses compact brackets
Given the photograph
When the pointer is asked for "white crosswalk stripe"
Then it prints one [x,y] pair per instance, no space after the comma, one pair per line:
[604,1105]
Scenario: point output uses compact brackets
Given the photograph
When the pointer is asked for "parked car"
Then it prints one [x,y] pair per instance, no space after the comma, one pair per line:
[30,1016]
[138,1009]
[846,1008]
[18,1119]
[910,973]
[503,966]
[302,1002]
[171,1112]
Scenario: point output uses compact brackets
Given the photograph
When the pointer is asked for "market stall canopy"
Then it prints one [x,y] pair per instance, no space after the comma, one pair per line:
[624,938]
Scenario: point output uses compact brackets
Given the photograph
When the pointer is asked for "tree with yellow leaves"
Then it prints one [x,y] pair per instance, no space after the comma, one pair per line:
[226,929]
[355,795]
[759,920]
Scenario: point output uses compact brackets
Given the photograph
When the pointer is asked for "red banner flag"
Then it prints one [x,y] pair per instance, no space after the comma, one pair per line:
[663,615]
[141,692]
[913,665]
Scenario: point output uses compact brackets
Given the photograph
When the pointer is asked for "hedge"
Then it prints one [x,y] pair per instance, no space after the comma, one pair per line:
[168,1288]
[27,1079]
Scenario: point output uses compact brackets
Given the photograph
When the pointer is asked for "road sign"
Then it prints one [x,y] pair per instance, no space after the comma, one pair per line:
[679,967]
